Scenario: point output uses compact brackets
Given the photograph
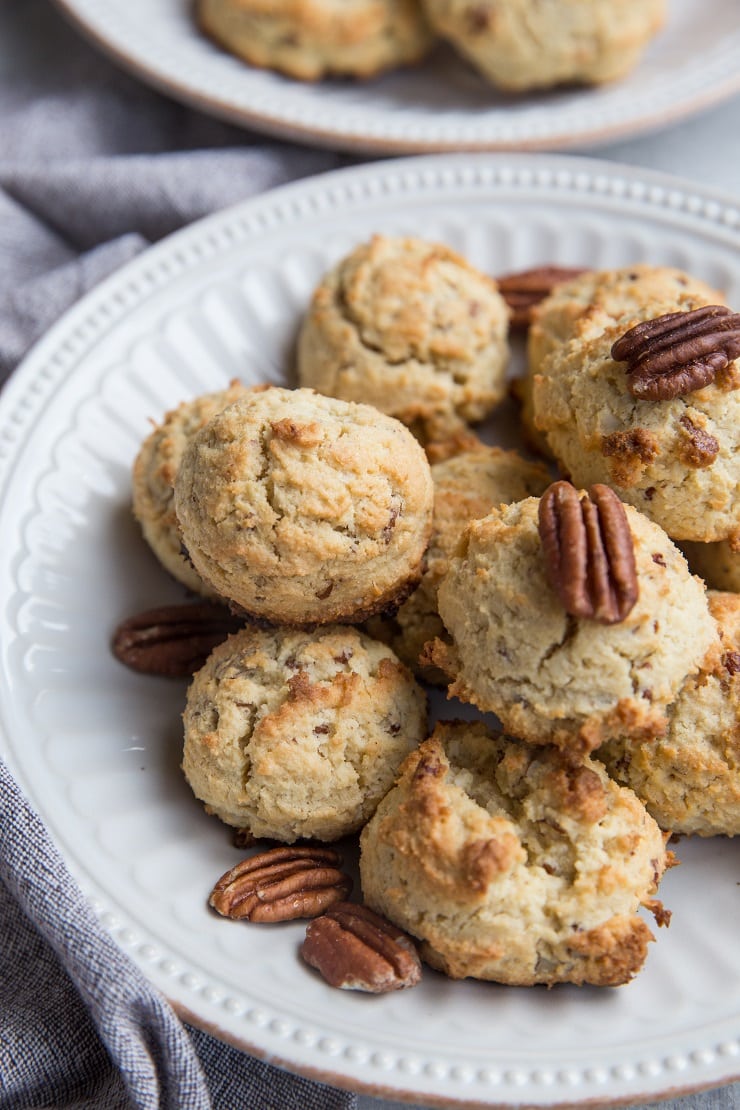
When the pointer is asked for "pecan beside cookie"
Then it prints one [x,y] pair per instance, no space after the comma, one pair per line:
[172,640]
[282,884]
[524,290]
[356,949]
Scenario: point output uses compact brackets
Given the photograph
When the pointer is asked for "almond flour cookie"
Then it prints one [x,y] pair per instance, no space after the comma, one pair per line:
[155,470]
[689,779]
[510,863]
[310,39]
[585,304]
[525,44]
[292,734]
[677,459]
[411,328]
[552,677]
[303,509]
[465,487]
[589,303]
[717,563]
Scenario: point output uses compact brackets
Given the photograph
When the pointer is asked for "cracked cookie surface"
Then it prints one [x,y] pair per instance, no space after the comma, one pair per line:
[305,509]
[525,44]
[511,863]
[689,779]
[292,734]
[466,487]
[550,677]
[310,39]
[589,303]
[677,461]
[412,328]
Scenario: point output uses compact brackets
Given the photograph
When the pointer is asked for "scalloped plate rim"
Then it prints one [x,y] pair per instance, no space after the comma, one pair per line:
[205,95]
[522,166]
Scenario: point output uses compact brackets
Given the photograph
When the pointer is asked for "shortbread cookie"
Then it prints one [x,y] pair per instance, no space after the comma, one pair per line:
[410,327]
[510,863]
[465,487]
[586,305]
[717,563]
[293,734]
[310,39]
[689,779]
[553,677]
[155,470]
[677,460]
[304,509]
[527,44]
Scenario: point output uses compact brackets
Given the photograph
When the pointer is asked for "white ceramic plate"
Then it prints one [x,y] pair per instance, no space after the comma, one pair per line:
[441,105]
[97,747]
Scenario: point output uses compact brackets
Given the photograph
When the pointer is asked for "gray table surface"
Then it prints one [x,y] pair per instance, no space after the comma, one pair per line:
[704,148]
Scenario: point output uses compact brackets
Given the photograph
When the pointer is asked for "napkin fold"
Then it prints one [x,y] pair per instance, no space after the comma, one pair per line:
[93,169]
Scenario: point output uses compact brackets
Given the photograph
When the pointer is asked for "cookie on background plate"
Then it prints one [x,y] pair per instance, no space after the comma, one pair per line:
[310,39]
[528,44]
[689,778]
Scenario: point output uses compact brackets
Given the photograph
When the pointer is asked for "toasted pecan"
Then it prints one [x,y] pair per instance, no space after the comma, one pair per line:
[589,552]
[679,352]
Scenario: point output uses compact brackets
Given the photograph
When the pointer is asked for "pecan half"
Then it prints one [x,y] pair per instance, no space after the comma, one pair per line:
[356,949]
[589,552]
[173,640]
[679,352]
[282,884]
[524,290]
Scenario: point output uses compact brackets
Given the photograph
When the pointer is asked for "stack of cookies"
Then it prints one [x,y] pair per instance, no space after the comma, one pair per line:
[373,545]
[514,44]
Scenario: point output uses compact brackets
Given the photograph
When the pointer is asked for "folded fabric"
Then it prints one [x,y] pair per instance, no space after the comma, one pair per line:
[81,1025]
[93,168]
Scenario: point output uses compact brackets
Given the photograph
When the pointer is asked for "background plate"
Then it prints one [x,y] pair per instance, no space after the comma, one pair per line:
[97,747]
[441,105]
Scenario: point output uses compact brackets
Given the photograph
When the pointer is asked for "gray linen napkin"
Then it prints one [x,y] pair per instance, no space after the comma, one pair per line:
[94,168]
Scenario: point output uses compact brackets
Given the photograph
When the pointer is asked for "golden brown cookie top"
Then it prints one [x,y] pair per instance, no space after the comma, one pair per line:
[689,778]
[677,460]
[552,676]
[301,508]
[513,863]
[295,733]
[410,327]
